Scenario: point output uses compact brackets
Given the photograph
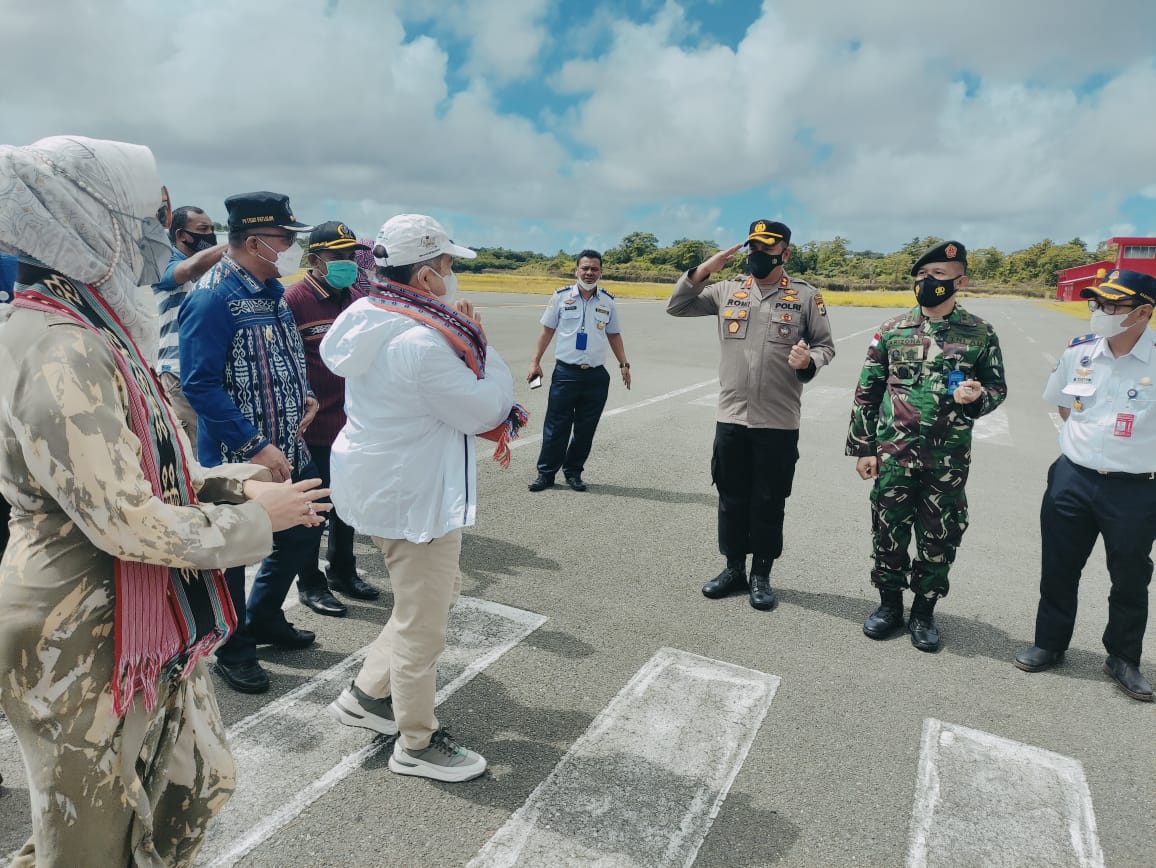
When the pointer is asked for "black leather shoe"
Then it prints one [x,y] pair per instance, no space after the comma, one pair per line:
[729,581]
[1128,677]
[1037,659]
[320,600]
[246,677]
[886,619]
[575,482]
[352,586]
[921,624]
[283,635]
[762,594]
[541,483]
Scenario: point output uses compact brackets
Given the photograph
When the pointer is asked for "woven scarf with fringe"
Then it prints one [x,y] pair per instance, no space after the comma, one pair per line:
[465,337]
[166,619]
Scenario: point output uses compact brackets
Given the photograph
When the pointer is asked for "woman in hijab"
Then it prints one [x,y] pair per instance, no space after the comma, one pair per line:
[110,590]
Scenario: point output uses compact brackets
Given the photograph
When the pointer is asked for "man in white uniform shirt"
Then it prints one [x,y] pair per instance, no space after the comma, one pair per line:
[1104,482]
[584,316]
[420,383]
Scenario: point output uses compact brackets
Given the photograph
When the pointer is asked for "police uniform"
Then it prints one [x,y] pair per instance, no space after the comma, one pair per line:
[1103,483]
[580,383]
[759,405]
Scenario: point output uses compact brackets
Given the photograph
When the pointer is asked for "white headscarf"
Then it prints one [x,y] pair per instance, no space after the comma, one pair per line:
[78,206]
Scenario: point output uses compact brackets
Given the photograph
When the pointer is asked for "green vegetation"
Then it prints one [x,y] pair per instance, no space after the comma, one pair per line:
[832,265]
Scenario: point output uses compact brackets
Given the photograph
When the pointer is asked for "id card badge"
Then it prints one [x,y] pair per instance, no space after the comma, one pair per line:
[1123,426]
[954,380]
[580,341]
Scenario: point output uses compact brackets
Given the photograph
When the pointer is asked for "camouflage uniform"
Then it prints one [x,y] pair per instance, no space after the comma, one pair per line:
[904,415]
[137,790]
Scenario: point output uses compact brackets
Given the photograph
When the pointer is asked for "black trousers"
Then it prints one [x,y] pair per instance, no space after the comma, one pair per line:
[577,397]
[339,549]
[753,469]
[5,512]
[1079,505]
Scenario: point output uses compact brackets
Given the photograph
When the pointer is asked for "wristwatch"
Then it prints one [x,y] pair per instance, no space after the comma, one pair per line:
[624,364]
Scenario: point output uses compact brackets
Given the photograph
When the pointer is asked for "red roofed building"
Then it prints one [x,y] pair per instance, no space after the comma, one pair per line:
[1133,254]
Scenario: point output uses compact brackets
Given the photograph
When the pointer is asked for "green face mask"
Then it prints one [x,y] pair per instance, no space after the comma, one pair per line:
[341,273]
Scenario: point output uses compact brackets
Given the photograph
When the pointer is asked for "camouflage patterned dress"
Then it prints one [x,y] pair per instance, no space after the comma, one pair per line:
[904,414]
[137,790]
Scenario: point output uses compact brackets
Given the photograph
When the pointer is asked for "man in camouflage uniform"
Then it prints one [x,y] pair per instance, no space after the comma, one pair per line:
[929,374]
[775,335]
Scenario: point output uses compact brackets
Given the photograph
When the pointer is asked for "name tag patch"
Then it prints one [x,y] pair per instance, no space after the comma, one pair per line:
[1123,425]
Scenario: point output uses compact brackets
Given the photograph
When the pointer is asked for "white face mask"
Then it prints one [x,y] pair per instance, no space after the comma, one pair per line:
[286,261]
[451,282]
[587,287]
[1108,325]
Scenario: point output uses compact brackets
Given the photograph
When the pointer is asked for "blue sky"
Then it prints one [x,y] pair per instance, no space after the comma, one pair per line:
[545,126]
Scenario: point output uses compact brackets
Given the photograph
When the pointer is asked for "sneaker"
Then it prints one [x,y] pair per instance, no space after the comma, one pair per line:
[355,707]
[443,760]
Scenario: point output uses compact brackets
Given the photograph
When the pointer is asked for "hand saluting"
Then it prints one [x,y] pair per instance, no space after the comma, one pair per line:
[800,356]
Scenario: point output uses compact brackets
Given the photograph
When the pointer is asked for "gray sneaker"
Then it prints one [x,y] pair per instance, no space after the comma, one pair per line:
[443,760]
[355,707]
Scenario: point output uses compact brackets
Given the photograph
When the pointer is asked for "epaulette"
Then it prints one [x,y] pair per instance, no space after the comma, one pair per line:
[604,292]
[561,289]
[1082,339]
[798,280]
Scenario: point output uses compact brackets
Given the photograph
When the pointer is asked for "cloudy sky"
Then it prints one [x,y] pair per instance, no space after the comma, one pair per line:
[558,125]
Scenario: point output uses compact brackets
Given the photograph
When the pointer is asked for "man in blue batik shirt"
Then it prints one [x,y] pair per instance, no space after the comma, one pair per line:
[243,371]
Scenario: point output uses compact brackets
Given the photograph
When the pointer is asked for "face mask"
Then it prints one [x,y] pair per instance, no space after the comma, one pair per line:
[760,263]
[930,292]
[341,273]
[451,282]
[588,287]
[1108,325]
[202,240]
[285,261]
[155,251]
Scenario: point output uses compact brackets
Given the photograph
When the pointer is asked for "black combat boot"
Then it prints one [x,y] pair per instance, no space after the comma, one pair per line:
[888,617]
[921,624]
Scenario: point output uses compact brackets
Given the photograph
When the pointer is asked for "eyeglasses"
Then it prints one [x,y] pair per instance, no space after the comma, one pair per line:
[165,212]
[287,239]
[1109,307]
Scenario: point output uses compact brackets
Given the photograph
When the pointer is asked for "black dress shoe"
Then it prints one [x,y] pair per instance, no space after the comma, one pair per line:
[1127,676]
[886,619]
[762,594]
[541,483]
[575,482]
[352,586]
[283,635]
[247,677]
[320,600]
[1037,659]
[729,581]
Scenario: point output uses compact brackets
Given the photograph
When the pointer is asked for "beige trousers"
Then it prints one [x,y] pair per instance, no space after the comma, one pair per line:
[185,414]
[402,661]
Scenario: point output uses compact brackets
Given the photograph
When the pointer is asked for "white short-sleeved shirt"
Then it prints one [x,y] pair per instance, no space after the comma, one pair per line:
[1112,424]
[569,314]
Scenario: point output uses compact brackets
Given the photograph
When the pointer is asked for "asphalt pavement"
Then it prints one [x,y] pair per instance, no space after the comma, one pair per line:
[832,765]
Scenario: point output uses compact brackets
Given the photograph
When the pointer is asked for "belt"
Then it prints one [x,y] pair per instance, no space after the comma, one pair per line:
[1138,477]
[579,367]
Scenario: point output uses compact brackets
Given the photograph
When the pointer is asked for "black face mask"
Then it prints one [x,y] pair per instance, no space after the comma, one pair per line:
[760,264]
[929,291]
[201,241]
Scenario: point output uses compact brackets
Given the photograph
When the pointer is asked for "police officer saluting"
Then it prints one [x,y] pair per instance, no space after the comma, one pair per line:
[1104,482]
[585,318]
[775,336]
[928,375]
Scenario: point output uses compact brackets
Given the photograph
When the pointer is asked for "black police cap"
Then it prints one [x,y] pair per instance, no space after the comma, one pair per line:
[1121,285]
[262,210]
[333,235]
[769,232]
[947,251]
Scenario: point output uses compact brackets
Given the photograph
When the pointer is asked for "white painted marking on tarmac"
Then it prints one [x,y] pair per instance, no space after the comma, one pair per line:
[985,800]
[291,746]
[1030,338]
[994,428]
[525,441]
[710,399]
[1050,359]
[643,784]
[1057,420]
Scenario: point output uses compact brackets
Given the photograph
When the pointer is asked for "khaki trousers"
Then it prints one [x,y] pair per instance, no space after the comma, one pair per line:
[402,661]
[184,412]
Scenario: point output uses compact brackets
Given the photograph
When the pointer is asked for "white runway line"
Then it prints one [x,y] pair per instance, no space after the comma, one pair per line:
[643,784]
[994,428]
[1050,359]
[1057,420]
[985,800]
[291,753]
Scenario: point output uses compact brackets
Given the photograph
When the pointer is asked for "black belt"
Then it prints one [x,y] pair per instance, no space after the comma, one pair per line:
[1114,474]
[579,367]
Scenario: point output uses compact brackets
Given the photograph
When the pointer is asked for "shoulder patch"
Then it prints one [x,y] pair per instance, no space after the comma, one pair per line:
[1082,339]
[605,293]
[561,289]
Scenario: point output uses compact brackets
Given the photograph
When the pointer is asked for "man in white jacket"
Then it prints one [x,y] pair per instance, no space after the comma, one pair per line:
[404,472]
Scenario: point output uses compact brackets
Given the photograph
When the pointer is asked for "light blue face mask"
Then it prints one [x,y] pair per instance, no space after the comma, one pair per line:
[341,273]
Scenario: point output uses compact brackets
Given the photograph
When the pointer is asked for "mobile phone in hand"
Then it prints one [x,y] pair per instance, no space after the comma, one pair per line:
[536,383]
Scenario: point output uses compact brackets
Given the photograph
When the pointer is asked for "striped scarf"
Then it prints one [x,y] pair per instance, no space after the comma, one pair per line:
[465,337]
[166,619]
